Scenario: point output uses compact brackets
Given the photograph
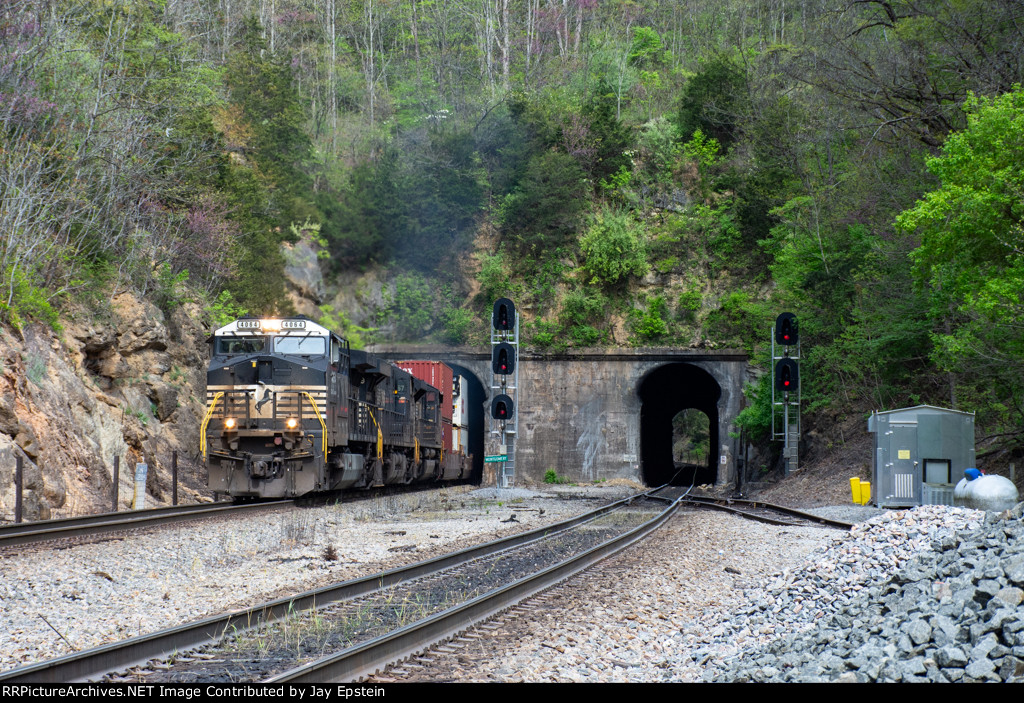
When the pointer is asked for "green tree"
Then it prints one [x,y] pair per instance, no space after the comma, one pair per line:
[610,137]
[442,189]
[582,311]
[272,190]
[971,257]
[262,85]
[365,219]
[713,101]
[544,211]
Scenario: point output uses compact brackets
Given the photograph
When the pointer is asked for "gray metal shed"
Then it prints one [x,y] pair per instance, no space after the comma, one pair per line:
[920,454]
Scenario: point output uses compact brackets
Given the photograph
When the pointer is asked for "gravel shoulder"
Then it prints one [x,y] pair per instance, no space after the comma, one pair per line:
[704,599]
[625,621]
[85,595]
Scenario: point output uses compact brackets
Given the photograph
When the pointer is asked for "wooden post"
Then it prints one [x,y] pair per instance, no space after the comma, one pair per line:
[117,478]
[174,477]
[19,475]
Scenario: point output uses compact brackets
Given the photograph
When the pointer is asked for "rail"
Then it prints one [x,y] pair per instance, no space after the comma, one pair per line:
[755,510]
[370,657]
[92,525]
[94,663]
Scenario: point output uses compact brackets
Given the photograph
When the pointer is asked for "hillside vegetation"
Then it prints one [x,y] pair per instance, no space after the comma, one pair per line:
[631,172]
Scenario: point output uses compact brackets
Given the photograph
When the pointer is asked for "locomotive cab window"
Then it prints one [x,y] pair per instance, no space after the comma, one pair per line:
[401,396]
[300,346]
[240,345]
[430,406]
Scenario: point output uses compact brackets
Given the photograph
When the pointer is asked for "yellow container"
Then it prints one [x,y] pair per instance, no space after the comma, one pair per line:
[855,489]
[865,492]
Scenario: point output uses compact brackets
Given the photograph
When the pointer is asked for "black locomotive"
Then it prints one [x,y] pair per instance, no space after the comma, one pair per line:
[291,410]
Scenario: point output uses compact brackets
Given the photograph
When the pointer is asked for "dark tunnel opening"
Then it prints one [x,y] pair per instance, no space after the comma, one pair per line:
[664,393]
[473,389]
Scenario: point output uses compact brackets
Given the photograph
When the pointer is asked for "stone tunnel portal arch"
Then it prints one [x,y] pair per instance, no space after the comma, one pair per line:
[664,392]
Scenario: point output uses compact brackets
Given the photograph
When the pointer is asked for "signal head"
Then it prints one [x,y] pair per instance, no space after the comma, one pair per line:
[502,407]
[503,316]
[786,329]
[503,359]
[787,375]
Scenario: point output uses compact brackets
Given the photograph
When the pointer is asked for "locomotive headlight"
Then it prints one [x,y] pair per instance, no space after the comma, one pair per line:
[291,423]
[229,424]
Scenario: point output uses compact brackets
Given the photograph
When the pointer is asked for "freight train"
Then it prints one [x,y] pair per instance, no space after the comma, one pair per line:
[292,410]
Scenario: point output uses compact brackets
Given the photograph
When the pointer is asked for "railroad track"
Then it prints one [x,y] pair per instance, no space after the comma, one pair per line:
[764,512]
[95,525]
[366,656]
[498,639]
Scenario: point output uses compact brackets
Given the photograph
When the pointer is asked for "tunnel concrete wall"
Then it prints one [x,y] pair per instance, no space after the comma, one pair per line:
[580,415]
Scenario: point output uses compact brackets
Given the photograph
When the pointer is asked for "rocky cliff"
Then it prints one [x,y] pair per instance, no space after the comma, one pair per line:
[129,385]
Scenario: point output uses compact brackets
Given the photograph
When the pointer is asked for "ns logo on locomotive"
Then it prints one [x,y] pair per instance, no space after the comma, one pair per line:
[291,410]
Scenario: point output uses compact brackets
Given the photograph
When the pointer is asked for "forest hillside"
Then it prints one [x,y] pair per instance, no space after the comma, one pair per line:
[631,172]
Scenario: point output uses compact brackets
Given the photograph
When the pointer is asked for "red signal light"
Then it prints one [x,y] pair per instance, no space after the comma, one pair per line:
[787,375]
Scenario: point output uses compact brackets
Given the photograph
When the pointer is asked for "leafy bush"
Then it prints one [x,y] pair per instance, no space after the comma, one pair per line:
[756,418]
[702,150]
[581,309]
[582,306]
[551,476]
[659,150]
[613,248]
[27,301]
[715,230]
[339,323]
[223,310]
[410,306]
[170,288]
[458,324]
[547,335]
[689,303]
[739,321]
[585,335]
[649,325]
[494,278]
[666,265]
[690,300]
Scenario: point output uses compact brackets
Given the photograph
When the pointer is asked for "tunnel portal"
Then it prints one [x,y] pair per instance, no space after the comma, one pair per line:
[608,414]
[665,392]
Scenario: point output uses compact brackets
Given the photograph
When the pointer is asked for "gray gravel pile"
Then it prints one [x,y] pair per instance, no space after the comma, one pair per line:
[930,595]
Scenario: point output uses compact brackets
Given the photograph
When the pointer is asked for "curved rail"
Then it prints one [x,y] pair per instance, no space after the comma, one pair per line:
[94,663]
[747,508]
[29,532]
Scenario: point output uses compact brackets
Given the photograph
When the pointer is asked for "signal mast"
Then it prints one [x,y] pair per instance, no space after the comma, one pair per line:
[505,383]
[786,388]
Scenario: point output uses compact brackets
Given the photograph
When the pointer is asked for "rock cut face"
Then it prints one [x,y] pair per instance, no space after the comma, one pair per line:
[127,386]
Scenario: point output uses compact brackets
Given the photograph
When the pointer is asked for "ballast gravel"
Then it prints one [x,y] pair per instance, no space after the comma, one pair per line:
[57,600]
[930,594]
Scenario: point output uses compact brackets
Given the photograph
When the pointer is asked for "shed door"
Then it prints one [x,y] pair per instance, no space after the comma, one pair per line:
[906,468]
